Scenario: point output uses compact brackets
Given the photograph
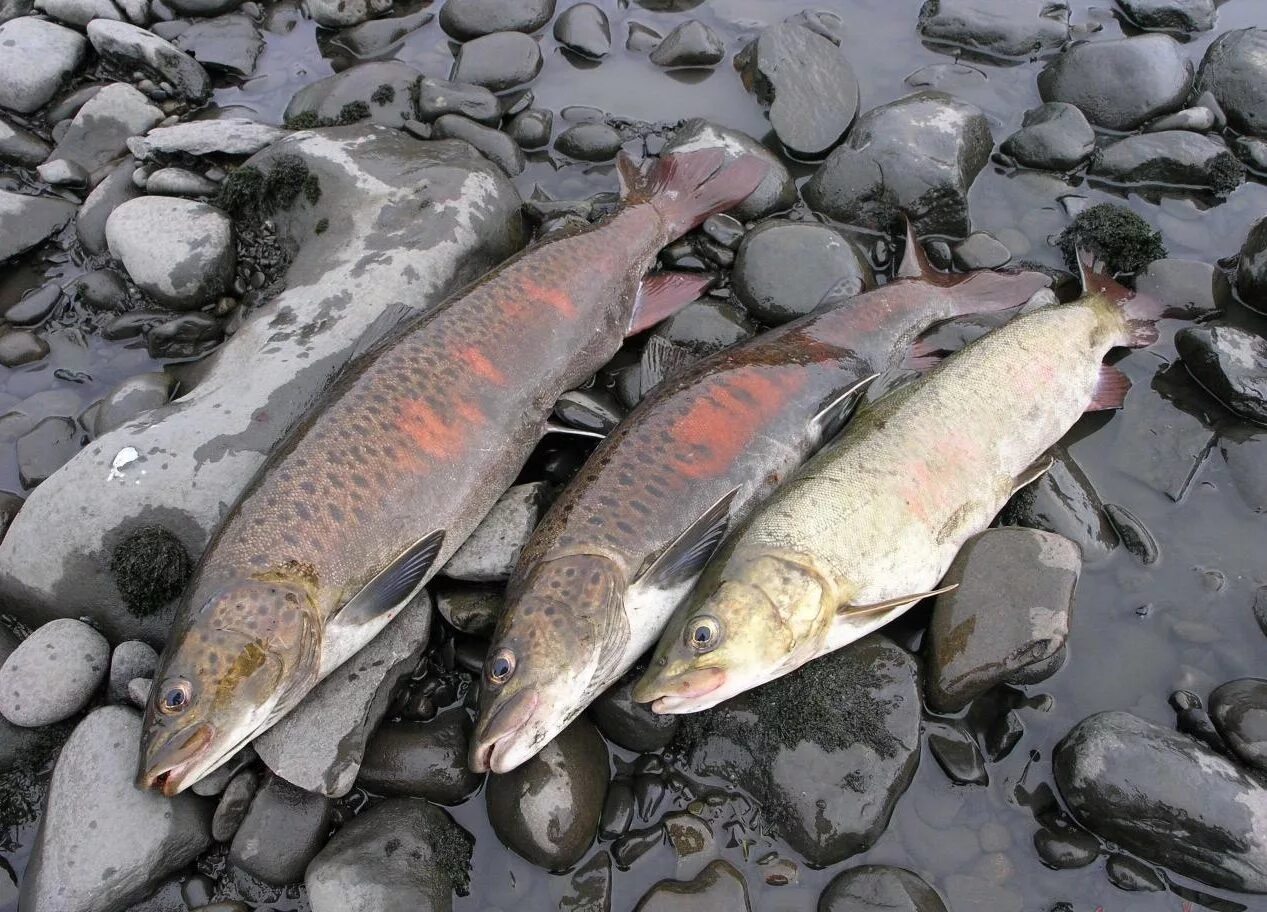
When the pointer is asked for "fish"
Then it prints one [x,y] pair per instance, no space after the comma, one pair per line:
[624,542]
[402,457]
[869,525]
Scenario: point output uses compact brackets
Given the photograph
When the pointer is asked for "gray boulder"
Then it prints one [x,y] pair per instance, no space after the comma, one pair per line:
[103,844]
[53,673]
[467,19]
[180,182]
[1234,71]
[1170,15]
[21,147]
[230,44]
[380,91]
[1166,797]
[691,44]
[27,221]
[131,48]
[99,133]
[226,136]
[80,12]
[1007,29]
[1120,83]
[1187,288]
[918,155]
[494,145]
[341,13]
[498,61]
[36,58]
[437,97]
[283,830]
[1230,364]
[319,745]
[1244,450]
[130,660]
[177,251]
[1174,158]
[493,549]
[585,30]
[422,759]
[1251,272]
[1065,502]
[1053,137]
[1239,711]
[57,563]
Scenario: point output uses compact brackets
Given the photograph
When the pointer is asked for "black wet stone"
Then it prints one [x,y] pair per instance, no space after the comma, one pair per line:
[531,128]
[980,251]
[718,886]
[349,97]
[1170,15]
[808,84]
[1114,234]
[18,347]
[283,830]
[918,155]
[691,44]
[584,29]
[421,760]
[631,725]
[1064,501]
[1239,711]
[590,887]
[1133,875]
[231,44]
[1135,536]
[185,336]
[956,752]
[1129,781]
[783,269]
[150,568]
[706,326]
[1007,29]
[498,61]
[21,147]
[372,38]
[467,19]
[618,810]
[589,409]
[436,97]
[595,142]
[1065,848]
[494,145]
[630,847]
[46,448]
[879,888]
[1176,158]
[235,801]
[1230,364]
[1053,137]
[1234,71]
[548,809]
[1251,273]
[1120,83]
[1187,288]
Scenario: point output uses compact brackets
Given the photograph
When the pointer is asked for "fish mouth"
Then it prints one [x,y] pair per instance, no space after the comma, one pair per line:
[495,741]
[174,766]
[682,693]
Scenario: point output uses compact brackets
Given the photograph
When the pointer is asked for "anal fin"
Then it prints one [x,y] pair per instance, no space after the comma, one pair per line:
[395,583]
[686,555]
[887,604]
[1110,392]
[663,294]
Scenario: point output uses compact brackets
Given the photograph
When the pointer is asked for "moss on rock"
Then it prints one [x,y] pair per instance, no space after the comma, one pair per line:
[1114,234]
[150,567]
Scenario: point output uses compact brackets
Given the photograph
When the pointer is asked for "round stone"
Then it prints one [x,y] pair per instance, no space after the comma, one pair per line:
[53,673]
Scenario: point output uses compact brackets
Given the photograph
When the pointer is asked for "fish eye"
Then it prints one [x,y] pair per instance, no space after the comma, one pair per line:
[703,633]
[500,666]
[175,698]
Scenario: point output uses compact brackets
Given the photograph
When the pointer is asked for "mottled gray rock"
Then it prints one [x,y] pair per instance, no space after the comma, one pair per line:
[26,221]
[131,48]
[421,759]
[342,13]
[64,173]
[401,855]
[1187,288]
[999,625]
[35,307]
[283,830]
[594,142]
[1064,501]
[80,12]
[494,145]
[99,133]
[1129,781]
[437,97]
[46,448]
[184,336]
[230,44]
[36,58]
[227,136]
[53,673]
[498,61]
[1176,158]
[1170,15]
[691,44]
[1120,83]
[472,610]
[1251,273]
[492,551]
[133,397]
[214,439]
[584,29]
[1053,137]
[177,251]
[346,96]
[235,802]
[980,250]
[103,844]
[101,291]
[130,660]
[180,182]
[827,751]
[21,147]
[1230,364]
[807,82]
[375,38]
[775,193]
[879,888]
[114,190]
[318,746]
[18,347]
[139,692]
[719,886]
[1234,71]
[918,155]
[1007,29]
[531,129]
[783,269]
[467,19]
[1199,120]
[548,809]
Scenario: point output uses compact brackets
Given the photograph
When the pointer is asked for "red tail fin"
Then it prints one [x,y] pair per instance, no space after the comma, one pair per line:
[1141,311]
[688,187]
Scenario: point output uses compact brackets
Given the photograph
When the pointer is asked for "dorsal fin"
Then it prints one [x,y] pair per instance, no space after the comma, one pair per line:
[686,556]
[914,263]
[394,584]
[876,607]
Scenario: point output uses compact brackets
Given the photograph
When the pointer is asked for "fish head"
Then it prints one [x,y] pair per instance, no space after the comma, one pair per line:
[733,634]
[546,661]
[240,663]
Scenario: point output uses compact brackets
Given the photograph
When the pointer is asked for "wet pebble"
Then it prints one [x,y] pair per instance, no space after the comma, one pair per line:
[36,58]
[531,129]
[26,221]
[1253,152]
[234,803]
[139,691]
[1230,364]
[99,132]
[223,136]
[131,659]
[177,251]
[618,810]
[1200,120]
[467,19]
[1239,710]
[401,855]
[595,142]
[980,251]
[1234,71]
[421,759]
[102,290]
[498,61]
[548,809]
[1251,272]
[584,29]
[1135,536]
[53,673]
[132,398]
[783,269]
[777,190]
[114,190]
[492,550]
[1172,158]
[21,147]
[226,44]
[1170,15]
[494,145]
[718,886]
[691,44]
[180,182]
[630,724]
[1067,848]
[45,448]
[956,752]
[1133,875]
[34,308]
[132,48]
[642,38]
[19,346]
[590,410]
[688,834]
[185,336]
[470,609]
[437,97]
[879,888]
[283,830]
[1086,75]
[380,91]
[1007,29]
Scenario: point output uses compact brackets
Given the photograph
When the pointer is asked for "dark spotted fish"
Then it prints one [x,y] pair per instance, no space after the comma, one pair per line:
[402,459]
[622,546]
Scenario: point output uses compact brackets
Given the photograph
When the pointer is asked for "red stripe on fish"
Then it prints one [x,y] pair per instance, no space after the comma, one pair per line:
[437,434]
[482,367]
[554,298]
[717,429]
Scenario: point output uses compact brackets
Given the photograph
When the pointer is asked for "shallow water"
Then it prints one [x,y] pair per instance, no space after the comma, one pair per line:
[1139,632]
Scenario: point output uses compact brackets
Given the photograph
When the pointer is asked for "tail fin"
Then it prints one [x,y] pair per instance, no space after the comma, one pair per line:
[688,187]
[1141,311]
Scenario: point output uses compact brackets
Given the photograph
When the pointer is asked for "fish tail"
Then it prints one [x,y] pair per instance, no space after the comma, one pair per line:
[1140,311]
[688,187]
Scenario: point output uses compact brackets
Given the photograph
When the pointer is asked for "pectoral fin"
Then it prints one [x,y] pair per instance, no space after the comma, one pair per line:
[828,422]
[1040,467]
[394,584]
[663,294]
[683,560]
[877,607]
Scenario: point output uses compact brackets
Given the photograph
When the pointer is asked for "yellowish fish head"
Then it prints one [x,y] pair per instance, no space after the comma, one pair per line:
[243,661]
[731,637]
[543,666]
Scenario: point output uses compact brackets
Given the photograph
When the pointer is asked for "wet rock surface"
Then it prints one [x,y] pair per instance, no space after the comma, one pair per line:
[1171,15]
[872,888]
[129,47]
[53,673]
[718,886]
[1173,157]
[996,28]
[498,61]
[1233,71]
[467,19]
[283,830]
[421,760]
[26,221]
[36,57]
[1053,137]
[691,44]
[1064,501]
[492,550]
[1230,364]
[783,269]
[775,193]
[1239,710]
[584,29]
[179,252]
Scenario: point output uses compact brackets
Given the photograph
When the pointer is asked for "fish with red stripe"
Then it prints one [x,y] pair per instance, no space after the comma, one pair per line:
[624,543]
[402,458]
